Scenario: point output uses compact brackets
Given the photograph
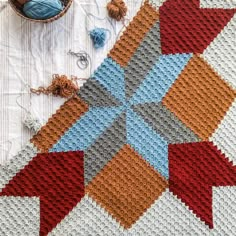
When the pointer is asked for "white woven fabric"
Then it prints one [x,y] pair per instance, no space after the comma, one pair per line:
[31,52]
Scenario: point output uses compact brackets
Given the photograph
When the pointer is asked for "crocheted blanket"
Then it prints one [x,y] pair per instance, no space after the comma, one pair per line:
[149,145]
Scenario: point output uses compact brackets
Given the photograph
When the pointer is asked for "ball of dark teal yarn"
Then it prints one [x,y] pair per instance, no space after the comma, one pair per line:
[42,9]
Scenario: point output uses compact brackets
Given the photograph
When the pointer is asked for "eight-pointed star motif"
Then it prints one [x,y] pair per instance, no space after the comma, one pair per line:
[128,126]
[112,99]
[130,115]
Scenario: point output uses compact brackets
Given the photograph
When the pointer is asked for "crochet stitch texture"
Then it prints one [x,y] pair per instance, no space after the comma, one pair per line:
[148,147]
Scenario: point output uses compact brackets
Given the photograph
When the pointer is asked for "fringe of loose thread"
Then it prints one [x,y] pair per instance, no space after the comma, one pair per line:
[61,86]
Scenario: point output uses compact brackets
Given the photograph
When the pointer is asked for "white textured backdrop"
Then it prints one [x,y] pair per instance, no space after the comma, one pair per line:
[31,52]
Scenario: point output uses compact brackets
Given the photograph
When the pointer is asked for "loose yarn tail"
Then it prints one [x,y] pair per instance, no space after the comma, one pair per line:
[117,9]
[32,123]
[99,37]
[61,86]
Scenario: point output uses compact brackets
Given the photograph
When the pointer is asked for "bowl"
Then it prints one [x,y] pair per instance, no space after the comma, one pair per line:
[17,7]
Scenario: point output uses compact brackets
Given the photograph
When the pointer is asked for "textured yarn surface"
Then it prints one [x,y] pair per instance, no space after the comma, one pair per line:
[148,147]
[99,37]
[42,9]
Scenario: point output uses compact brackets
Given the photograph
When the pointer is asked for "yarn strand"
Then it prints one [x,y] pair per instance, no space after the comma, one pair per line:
[61,86]
[99,37]
[117,9]
[84,59]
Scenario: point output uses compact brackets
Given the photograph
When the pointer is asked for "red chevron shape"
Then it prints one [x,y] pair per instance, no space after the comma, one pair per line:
[187,28]
[194,169]
[57,178]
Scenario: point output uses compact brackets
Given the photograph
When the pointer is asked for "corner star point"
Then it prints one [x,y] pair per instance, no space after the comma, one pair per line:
[195,168]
